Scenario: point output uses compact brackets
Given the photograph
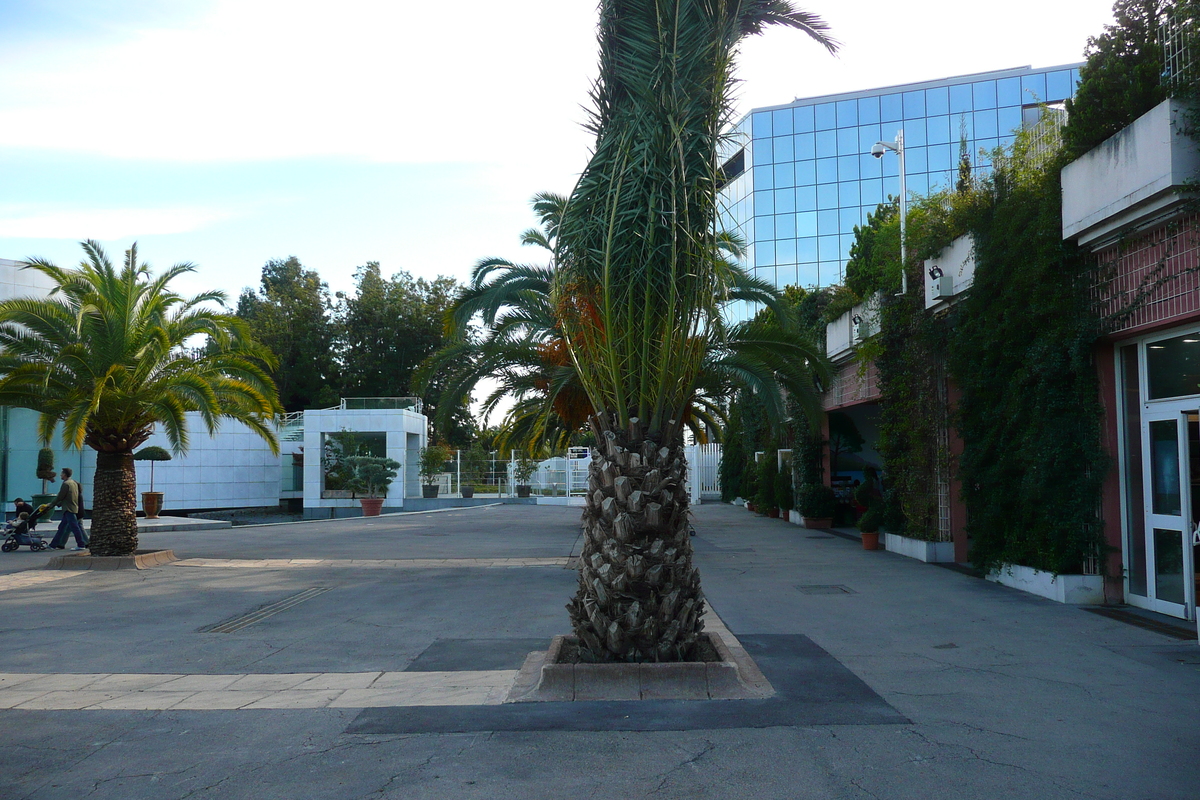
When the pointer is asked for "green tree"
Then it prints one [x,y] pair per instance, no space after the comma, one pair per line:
[1122,79]
[385,330]
[637,293]
[290,314]
[110,354]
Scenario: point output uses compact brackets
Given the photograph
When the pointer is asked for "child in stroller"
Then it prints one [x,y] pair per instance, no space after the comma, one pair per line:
[18,532]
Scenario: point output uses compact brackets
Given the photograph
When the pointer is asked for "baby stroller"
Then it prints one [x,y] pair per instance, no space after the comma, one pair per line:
[16,534]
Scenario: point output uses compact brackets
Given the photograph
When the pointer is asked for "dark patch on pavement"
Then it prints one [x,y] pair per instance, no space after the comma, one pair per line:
[813,688]
[832,588]
[702,545]
[461,655]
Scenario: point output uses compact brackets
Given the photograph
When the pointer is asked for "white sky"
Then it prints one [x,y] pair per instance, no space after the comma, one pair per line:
[229,132]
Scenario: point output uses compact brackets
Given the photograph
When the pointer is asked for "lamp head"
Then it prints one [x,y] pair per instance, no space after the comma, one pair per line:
[878,150]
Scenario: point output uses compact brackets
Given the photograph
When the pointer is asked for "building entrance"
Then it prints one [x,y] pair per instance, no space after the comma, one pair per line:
[1162,559]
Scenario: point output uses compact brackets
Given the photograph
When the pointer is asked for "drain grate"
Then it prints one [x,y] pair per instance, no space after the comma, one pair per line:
[824,589]
[261,613]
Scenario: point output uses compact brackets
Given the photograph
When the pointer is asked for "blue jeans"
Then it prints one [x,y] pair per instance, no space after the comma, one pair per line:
[69,524]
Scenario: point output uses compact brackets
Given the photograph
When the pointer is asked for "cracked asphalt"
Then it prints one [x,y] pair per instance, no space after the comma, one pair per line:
[1009,696]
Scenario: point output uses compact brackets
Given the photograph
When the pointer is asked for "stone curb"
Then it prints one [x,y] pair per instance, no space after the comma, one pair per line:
[734,677]
[141,559]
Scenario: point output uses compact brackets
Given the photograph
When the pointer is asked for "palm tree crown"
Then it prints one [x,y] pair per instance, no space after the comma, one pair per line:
[110,353]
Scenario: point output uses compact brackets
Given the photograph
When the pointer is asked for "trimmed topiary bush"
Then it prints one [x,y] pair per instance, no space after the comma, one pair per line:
[816,501]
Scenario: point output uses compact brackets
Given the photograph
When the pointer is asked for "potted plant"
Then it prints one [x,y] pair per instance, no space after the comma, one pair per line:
[152,501]
[371,476]
[432,463]
[45,471]
[750,484]
[784,497]
[523,471]
[816,503]
[869,496]
[474,462]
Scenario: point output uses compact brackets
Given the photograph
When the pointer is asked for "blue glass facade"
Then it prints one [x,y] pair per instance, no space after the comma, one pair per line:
[806,175]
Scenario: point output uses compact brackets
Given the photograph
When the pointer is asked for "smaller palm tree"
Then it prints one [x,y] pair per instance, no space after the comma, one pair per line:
[110,354]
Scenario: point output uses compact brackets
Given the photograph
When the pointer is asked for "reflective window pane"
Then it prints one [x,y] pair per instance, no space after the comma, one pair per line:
[826,143]
[868,110]
[937,130]
[785,175]
[785,273]
[829,248]
[783,148]
[869,166]
[827,221]
[914,134]
[764,254]
[848,193]
[806,225]
[763,151]
[891,108]
[847,141]
[826,116]
[806,249]
[781,122]
[914,160]
[785,226]
[764,202]
[1058,85]
[847,168]
[918,184]
[1164,467]
[847,113]
[960,98]
[802,119]
[806,173]
[941,157]
[1008,119]
[762,178]
[804,146]
[826,170]
[1173,367]
[914,105]
[807,275]
[827,195]
[937,101]
[868,135]
[1033,89]
[806,198]
[762,124]
[764,228]
[871,191]
[983,94]
[847,219]
[785,200]
[985,124]
[1008,92]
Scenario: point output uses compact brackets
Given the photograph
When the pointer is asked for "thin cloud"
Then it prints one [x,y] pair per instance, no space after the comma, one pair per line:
[105,223]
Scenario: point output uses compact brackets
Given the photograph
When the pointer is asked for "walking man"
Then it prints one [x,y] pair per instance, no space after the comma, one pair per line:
[69,498]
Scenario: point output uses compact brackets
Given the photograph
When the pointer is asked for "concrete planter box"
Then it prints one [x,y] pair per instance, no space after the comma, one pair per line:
[734,677]
[1073,589]
[929,552]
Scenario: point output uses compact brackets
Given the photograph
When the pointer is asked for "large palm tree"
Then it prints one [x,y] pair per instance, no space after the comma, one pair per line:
[521,348]
[637,295]
[110,353]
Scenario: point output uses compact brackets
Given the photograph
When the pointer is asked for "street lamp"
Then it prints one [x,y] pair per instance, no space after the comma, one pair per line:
[897,147]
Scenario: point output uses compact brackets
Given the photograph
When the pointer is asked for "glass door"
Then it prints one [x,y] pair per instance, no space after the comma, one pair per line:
[1170,517]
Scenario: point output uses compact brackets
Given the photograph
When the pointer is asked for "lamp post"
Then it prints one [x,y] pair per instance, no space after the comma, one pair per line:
[897,147]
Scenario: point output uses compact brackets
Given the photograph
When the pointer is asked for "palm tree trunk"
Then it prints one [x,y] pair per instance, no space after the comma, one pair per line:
[639,595]
[114,507]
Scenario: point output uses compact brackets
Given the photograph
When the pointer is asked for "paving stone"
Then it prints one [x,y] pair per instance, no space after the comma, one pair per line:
[144,701]
[216,700]
[297,698]
[270,683]
[130,682]
[11,698]
[68,699]
[199,683]
[340,680]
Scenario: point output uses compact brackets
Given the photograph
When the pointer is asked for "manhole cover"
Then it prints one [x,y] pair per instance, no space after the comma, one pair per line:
[824,589]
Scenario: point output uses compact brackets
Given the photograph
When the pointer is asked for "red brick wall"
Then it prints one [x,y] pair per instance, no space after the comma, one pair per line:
[1168,255]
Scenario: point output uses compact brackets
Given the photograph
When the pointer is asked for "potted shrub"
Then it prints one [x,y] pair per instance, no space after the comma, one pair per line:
[816,503]
[474,462]
[783,493]
[869,496]
[45,471]
[433,462]
[750,484]
[765,499]
[152,501]
[523,471]
[371,476]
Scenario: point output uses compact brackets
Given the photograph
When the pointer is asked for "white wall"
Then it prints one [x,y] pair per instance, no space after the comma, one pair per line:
[957,263]
[232,469]
[1130,177]
[16,282]
[398,424]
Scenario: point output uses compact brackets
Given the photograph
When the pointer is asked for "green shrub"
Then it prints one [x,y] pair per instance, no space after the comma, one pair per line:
[765,499]
[783,490]
[816,501]
[871,520]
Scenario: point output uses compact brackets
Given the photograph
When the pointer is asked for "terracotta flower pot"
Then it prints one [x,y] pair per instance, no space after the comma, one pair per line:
[817,523]
[750,507]
[787,515]
[773,513]
[152,504]
[371,506]
[870,540]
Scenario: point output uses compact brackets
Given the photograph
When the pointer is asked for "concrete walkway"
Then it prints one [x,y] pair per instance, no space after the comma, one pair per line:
[896,679]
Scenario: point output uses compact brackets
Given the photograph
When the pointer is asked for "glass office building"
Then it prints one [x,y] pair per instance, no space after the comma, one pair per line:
[799,177]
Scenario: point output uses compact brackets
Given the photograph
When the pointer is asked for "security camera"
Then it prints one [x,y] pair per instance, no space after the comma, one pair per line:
[878,150]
